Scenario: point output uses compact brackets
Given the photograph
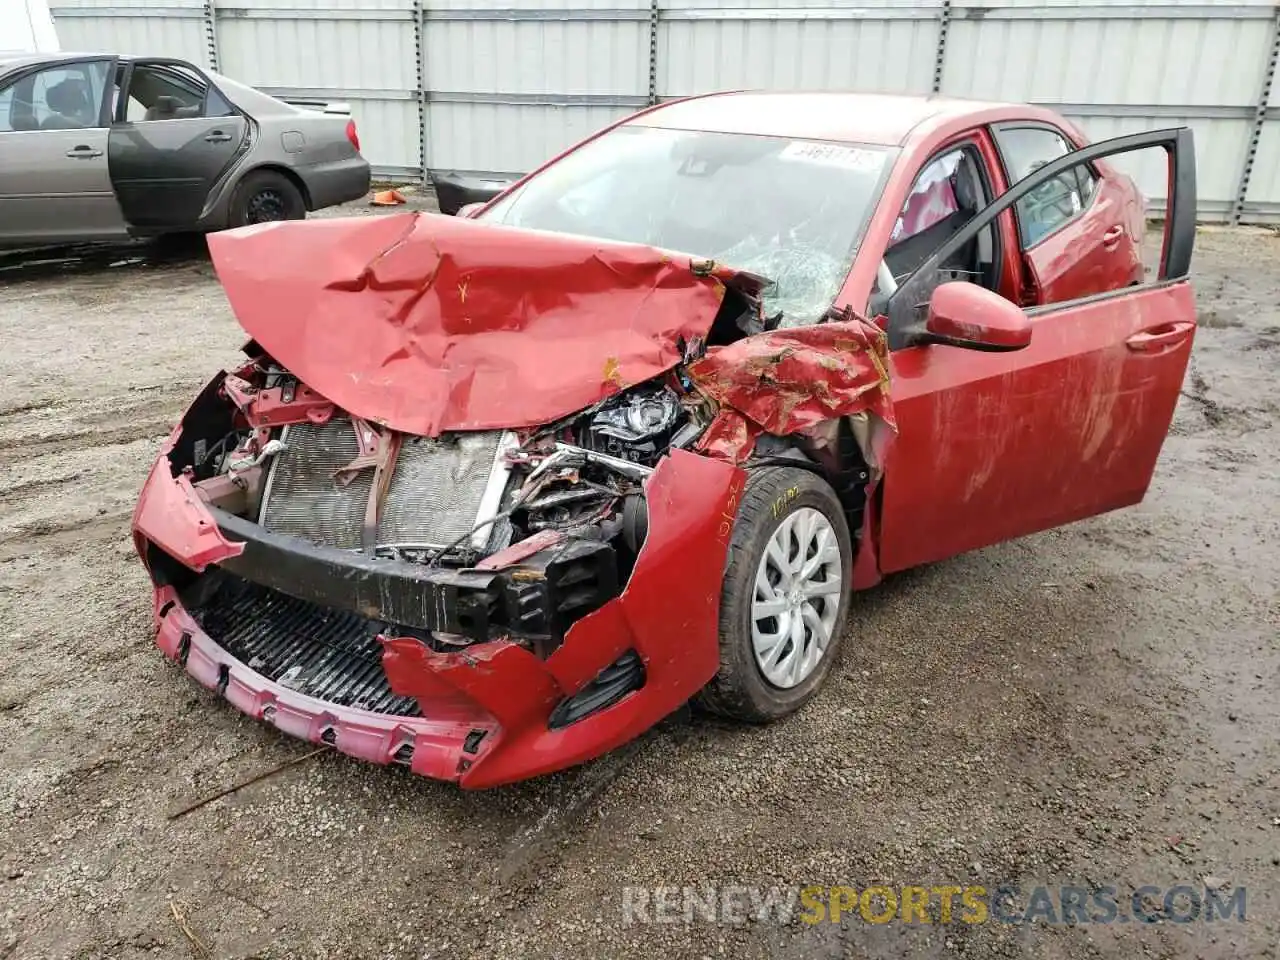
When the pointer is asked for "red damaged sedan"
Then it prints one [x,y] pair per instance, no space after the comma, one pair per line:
[492,495]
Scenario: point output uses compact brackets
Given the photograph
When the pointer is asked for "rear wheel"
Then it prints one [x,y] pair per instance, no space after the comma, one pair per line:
[785,596]
[264,196]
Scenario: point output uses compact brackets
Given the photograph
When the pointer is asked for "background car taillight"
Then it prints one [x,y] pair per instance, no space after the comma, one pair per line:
[352,135]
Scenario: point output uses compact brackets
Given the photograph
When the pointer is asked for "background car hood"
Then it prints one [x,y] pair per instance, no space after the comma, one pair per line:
[429,323]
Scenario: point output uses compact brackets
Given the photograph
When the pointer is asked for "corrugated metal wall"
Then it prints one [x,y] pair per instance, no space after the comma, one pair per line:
[1120,68]
[465,85]
[509,88]
[176,30]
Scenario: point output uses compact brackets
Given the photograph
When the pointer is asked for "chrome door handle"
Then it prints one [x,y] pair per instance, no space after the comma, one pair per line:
[1113,235]
[217,137]
[83,153]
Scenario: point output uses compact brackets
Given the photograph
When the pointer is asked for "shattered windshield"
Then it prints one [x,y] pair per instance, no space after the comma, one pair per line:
[789,210]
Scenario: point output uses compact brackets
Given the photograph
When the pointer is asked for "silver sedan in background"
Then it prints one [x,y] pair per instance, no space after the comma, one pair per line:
[104,147]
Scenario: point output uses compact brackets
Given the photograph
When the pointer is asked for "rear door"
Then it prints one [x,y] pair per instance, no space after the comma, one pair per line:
[54,183]
[1076,230]
[173,138]
[997,445]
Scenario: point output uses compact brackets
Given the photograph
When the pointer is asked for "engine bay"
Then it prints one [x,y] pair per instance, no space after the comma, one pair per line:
[530,530]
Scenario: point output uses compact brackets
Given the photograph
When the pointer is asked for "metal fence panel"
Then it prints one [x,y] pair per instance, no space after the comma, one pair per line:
[700,54]
[1106,60]
[133,26]
[1220,145]
[364,55]
[1261,203]
[462,136]
[546,58]
[1098,63]
[507,89]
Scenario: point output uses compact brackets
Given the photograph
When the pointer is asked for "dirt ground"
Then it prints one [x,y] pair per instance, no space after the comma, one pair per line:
[1095,705]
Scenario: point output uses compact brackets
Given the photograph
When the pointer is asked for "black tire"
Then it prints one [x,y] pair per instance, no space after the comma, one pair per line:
[266,195]
[740,690]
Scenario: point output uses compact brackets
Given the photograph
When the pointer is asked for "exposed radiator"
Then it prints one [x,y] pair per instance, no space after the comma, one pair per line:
[435,496]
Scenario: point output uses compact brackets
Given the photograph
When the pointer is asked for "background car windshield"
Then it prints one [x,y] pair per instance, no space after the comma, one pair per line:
[789,210]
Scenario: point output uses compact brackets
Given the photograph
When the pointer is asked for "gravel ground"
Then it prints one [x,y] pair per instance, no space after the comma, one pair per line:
[1093,705]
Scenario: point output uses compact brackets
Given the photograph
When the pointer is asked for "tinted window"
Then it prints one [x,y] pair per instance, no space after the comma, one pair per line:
[1026,149]
[946,194]
[65,97]
[789,210]
[164,92]
[216,105]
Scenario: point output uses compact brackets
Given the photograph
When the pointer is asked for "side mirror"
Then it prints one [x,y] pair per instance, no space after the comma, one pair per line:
[966,315]
[468,209]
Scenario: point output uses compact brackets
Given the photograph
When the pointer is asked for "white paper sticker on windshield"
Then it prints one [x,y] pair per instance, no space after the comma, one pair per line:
[834,154]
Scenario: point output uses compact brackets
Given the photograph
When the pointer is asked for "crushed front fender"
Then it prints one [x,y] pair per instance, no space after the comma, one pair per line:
[486,711]
[668,613]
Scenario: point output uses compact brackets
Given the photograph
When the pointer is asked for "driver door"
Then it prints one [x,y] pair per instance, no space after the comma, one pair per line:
[995,445]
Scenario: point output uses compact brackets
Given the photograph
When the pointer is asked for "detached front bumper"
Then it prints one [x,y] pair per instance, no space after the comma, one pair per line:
[492,712]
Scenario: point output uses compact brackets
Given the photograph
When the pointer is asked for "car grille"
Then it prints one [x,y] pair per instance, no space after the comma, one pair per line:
[331,655]
[433,498]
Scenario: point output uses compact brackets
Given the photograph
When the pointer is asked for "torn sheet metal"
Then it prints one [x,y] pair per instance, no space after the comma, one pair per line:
[794,381]
[171,514]
[805,380]
[669,613]
[429,323]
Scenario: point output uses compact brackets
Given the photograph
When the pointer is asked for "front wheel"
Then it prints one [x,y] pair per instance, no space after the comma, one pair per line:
[264,196]
[785,596]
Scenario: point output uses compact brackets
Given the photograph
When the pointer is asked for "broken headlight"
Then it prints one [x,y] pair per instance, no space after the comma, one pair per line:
[637,425]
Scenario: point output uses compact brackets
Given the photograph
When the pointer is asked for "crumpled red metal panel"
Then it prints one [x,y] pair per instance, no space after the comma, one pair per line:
[804,380]
[790,381]
[669,612]
[730,436]
[429,323]
[172,514]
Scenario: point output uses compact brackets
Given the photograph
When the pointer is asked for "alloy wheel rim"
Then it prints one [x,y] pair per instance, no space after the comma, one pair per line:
[796,598]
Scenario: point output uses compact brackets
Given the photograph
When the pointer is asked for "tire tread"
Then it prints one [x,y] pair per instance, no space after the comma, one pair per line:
[728,694]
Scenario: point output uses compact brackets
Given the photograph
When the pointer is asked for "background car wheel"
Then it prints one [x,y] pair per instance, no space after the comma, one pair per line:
[785,596]
[264,196]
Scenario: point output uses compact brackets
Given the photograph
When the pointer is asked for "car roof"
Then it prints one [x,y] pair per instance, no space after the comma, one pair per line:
[870,118]
[17,59]
[13,59]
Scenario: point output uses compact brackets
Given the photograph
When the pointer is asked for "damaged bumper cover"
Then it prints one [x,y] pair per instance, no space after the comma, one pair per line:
[492,712]
[473,603]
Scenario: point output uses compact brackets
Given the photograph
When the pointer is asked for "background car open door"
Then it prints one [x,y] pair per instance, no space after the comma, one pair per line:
[996,445]
[174,135]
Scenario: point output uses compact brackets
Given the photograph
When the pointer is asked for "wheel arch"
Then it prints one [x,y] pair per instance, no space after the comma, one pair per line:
[780,481]
[287,172]
[836,458]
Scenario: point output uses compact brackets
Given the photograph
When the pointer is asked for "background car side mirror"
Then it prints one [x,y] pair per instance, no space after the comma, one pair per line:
[963,314]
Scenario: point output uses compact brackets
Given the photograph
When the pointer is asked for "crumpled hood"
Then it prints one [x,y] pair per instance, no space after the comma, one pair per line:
[429,323]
